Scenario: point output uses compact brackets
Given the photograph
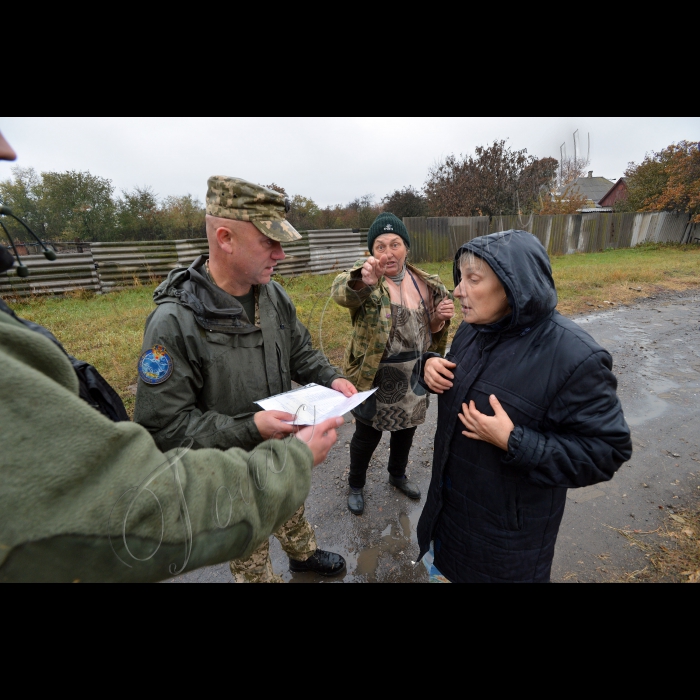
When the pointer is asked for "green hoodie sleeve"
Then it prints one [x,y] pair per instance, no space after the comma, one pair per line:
[85,499]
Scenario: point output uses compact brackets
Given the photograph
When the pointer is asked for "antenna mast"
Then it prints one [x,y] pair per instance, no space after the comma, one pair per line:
[562,150]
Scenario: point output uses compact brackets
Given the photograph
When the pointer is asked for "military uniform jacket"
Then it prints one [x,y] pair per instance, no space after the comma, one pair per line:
[370,309]
[77,489]
[222,363]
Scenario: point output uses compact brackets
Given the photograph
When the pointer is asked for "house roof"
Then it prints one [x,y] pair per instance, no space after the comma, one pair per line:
[614,194]
[593,188]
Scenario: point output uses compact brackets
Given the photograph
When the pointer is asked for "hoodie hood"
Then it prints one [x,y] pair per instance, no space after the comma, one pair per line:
[523,266]
[214,309]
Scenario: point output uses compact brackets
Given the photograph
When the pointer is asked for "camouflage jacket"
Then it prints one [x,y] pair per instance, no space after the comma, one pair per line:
[370,310]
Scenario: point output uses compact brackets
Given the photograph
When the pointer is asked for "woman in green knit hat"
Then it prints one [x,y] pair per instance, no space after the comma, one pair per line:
[399,313]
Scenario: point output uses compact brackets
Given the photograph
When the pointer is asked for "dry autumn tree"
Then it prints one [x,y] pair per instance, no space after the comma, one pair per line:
[666,181]
[495,181]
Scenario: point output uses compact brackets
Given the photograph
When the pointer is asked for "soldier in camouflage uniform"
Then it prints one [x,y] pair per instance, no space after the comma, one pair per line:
[234,339]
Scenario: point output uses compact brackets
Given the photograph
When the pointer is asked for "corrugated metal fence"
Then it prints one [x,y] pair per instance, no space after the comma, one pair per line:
[323,252]
[440,238]
[334,251]
[70,272]
[110,267]
[122,265]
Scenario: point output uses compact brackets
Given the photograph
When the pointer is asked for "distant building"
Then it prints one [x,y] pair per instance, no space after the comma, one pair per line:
[593,188]
[619,193]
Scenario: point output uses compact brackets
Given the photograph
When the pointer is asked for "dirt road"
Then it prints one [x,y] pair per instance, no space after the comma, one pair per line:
[656,347]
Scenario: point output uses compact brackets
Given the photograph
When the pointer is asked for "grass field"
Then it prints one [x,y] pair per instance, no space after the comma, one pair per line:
[107,330]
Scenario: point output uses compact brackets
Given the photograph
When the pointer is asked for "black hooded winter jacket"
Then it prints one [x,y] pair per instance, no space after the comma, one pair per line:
[494,517]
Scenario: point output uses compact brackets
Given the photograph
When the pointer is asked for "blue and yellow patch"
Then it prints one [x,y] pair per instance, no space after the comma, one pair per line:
[156,366]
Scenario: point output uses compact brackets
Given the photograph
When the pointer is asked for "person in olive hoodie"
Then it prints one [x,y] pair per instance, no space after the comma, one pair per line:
[223,336]
[528,409]
[85,499]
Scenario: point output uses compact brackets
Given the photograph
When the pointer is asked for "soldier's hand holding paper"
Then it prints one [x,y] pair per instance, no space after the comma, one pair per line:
[314,404]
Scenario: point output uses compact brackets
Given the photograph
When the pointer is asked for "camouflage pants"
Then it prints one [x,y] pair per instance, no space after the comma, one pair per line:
[298,541]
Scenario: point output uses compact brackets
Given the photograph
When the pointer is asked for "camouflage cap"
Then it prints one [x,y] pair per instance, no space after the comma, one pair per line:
[239,200]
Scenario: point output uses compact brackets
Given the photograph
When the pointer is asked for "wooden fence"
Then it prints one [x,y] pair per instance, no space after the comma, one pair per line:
[440,238]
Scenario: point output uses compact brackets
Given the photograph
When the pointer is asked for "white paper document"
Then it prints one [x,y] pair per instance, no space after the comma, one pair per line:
[314,404]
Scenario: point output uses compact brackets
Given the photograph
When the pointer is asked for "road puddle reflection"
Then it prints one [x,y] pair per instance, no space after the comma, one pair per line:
[396,541]
[399,542]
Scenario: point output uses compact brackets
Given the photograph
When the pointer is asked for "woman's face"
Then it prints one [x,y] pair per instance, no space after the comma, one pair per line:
[395,250]
[483,298]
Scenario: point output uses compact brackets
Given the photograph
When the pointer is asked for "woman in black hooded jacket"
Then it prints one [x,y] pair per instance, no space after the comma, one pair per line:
[528,409]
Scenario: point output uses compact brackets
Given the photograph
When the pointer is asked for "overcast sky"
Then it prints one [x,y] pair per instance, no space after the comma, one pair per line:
[329,159]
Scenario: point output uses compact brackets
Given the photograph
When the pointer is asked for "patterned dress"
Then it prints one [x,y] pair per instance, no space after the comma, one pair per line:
[400,402]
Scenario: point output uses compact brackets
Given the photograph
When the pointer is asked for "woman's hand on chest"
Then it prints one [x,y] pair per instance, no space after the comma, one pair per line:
[495,430]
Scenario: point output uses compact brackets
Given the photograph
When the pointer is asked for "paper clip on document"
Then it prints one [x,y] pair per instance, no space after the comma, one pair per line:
[314,404]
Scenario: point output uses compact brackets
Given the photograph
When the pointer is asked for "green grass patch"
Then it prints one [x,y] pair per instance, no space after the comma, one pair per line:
[107,331]
[617,275]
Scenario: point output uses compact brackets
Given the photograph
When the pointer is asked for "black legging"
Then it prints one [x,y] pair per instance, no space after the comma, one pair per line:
[365,444]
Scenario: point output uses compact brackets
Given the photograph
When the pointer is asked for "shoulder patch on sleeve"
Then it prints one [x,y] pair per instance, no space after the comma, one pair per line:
[156,366]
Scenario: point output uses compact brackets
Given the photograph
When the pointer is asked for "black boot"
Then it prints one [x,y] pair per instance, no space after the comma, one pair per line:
[356,501]
[406,487]
[322,563]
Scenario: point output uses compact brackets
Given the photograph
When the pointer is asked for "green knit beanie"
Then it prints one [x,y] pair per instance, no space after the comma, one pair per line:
[387,224]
